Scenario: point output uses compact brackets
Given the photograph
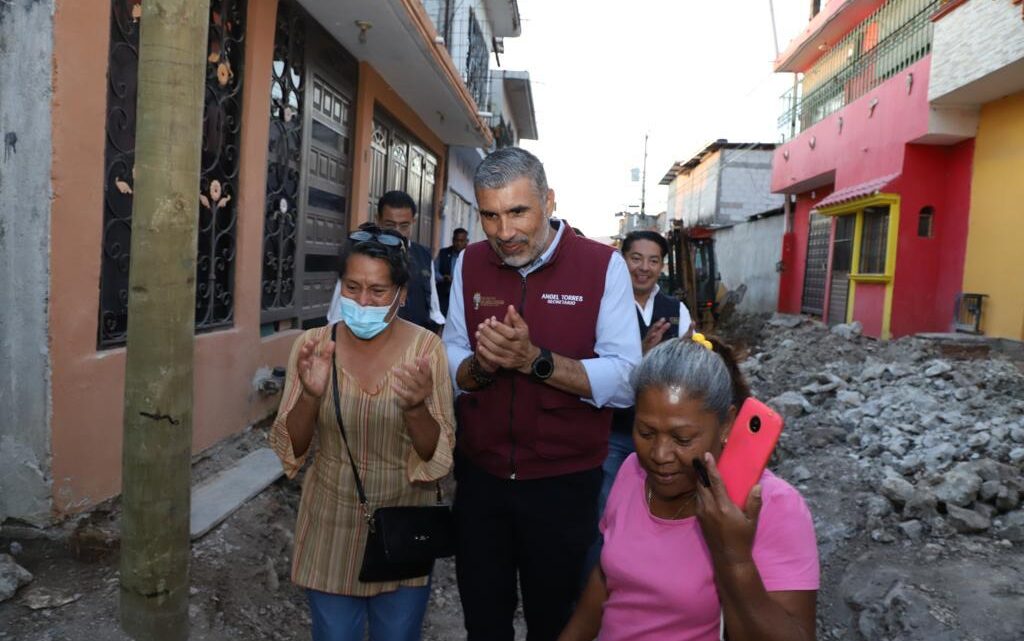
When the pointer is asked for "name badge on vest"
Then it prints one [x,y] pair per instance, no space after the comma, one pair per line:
[486,301]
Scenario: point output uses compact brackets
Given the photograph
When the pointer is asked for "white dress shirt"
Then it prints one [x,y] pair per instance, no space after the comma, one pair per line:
[618,335]
[647,311]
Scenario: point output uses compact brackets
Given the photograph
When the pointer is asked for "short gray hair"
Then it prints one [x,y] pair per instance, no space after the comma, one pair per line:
[509,164]
[698,371]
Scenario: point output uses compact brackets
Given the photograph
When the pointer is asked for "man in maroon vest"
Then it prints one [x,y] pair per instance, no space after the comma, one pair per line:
[541,339]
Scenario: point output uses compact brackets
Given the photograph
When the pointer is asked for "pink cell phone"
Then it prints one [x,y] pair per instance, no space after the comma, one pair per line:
[751,441]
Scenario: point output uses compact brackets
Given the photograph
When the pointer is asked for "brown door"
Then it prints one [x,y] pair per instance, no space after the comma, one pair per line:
[327,174]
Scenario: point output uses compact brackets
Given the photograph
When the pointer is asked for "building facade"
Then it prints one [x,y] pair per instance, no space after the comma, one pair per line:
[313,110]
[725,182]
[511,117]
[978,65]
[880,179]
[726,188]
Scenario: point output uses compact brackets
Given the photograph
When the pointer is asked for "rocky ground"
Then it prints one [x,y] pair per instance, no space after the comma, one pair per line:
[910,455]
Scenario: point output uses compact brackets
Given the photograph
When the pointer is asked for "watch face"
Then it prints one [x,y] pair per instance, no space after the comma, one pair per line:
[544,366]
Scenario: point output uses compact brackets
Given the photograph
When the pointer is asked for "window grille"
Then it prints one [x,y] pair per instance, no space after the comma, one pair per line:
[287,100]
[216,201]
[874,240]
[926,222]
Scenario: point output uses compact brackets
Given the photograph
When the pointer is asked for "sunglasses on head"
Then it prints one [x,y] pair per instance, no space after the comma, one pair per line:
[376,235]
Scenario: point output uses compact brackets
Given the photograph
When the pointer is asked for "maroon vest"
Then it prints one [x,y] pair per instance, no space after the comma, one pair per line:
[518,427]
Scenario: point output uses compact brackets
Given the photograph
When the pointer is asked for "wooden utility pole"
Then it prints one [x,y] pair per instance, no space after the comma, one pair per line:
[155,489]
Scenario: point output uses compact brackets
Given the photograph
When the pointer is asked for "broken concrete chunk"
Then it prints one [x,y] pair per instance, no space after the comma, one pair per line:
[897,490]
[1007,499]
[790,404]
[1012,527]
[938,368]
[12,576]
[922,505]
[989,490]
[848,330]
[45,598]
[967,521]
[788,321]
[960,486]
[912,529]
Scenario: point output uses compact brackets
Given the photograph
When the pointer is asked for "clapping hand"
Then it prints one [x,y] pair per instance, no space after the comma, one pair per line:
[728,531]
[507,344]
[315,367]
[414,383]
[655,334]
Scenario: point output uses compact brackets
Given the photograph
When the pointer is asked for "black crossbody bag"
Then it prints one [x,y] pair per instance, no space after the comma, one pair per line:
[402,542]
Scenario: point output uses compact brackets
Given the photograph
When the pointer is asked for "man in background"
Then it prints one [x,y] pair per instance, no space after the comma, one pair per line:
[446,263]
[660,318]
[396,210]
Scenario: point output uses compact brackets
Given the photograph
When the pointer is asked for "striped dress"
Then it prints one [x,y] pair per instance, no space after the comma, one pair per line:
[330,534]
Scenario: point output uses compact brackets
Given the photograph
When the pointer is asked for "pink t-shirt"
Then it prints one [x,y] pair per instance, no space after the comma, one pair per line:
[659,574]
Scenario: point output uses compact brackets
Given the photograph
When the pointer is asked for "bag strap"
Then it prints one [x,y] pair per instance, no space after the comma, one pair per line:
[344,437]
[341,427]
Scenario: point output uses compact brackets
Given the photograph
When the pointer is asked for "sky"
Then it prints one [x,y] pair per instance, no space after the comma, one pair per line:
[604,74]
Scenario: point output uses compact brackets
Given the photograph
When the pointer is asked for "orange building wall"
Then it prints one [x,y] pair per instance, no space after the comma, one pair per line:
[88,385]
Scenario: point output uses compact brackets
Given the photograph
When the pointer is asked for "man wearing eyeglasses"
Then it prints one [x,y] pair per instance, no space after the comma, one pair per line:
[396,211]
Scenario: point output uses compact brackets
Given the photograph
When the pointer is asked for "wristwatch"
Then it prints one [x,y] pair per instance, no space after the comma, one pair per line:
[543,366]
[482,377]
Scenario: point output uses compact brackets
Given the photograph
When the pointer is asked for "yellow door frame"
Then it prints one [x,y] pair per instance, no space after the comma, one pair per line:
[856,208]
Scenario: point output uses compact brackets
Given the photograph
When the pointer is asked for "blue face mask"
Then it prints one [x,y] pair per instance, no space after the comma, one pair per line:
[365,322]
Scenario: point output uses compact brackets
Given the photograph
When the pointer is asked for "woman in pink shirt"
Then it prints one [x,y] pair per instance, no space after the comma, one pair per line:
[681,561]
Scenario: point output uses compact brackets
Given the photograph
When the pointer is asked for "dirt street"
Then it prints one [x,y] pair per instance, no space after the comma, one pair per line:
[909,454]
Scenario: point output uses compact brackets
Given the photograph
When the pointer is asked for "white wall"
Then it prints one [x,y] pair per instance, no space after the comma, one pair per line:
[747,254]
[26,40]
[696,193]
[976,40]
[729,186]
[746,185]
[462,164]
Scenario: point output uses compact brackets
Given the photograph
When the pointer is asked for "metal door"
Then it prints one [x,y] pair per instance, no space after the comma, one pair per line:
[816,270]
[328,176]
[398,161]
[842,262]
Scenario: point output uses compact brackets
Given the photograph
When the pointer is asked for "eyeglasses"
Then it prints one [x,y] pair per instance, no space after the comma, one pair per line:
[377,235]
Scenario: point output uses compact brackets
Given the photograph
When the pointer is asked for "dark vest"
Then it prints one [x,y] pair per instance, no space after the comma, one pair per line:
[664,307]
[518,427]
[417,303]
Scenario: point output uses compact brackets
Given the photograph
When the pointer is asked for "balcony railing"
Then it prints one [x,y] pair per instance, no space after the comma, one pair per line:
[896,35]
[477,74]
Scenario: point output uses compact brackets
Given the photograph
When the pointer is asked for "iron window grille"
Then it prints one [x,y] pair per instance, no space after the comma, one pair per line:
[968,313]
[284,158]
[926,222]
[896,35]
[217,202]
[477,64]
[874,240]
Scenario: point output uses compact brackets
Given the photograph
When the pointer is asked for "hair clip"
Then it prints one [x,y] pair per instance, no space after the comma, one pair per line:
[699,338]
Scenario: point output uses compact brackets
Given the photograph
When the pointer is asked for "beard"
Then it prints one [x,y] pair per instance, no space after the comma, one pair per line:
[530,247]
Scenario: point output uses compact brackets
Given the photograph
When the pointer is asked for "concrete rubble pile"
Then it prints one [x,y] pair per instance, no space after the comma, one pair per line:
[941,439]
[897,445]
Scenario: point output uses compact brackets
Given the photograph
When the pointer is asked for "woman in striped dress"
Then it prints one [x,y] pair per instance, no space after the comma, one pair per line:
[396,405]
